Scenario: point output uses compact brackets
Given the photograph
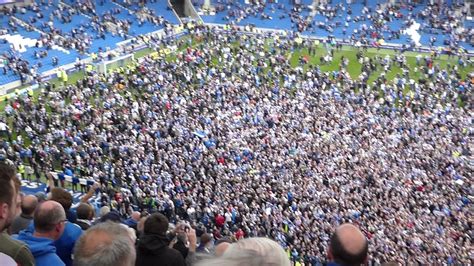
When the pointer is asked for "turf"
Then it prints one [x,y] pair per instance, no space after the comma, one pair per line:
[354,67]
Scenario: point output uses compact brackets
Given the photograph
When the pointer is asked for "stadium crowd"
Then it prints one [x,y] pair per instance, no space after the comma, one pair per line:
[386,21]
[231,139]
[80,37]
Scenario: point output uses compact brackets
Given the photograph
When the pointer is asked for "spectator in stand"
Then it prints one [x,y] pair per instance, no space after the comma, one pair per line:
[72,232]
[133,220]
[348,247]
[65,199]
[153,246]
[105,244]
[28,206]
[85,215]
[9,187]
[49,223]
[251,252]
[103,211]
[41,196]
[205,244]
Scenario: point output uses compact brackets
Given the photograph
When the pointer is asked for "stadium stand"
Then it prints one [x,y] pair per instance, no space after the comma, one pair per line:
[74,32]
[342,19]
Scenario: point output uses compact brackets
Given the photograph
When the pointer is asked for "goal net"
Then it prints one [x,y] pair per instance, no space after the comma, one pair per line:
[107,67]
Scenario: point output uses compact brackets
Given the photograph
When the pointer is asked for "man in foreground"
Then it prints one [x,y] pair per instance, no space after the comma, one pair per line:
[9,187]
[348,246]
[154,244]
[49,221]
[105,244]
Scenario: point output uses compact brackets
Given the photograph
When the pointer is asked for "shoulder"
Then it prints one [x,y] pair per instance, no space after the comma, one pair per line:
[49,259]
[175,253]
[74,229]
[24,256]
[16,249]
[11,243]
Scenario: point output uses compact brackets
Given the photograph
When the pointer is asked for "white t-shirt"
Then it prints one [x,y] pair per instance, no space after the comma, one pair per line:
[3,126]
[6,260]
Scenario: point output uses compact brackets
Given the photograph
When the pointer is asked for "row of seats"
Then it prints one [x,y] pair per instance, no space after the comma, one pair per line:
[84,26]
[279,12]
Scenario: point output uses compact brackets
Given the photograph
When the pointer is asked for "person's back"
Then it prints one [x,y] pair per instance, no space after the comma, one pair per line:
[43,249]
[20,223]
[153,245]
[85,214]
[65,244]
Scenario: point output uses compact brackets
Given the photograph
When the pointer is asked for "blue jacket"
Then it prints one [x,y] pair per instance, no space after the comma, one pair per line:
[131,223]
[42,249]
[65,244]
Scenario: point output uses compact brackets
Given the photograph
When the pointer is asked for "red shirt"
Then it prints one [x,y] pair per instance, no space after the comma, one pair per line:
[220,220]
[221,160]
[239,234]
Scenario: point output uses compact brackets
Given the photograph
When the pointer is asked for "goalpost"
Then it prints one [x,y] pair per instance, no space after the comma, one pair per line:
[106,67]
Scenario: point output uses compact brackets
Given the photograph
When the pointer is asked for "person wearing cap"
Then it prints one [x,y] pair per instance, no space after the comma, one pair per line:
[40,196]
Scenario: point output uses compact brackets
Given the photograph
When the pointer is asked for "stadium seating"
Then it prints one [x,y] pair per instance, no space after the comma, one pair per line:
[280,20]
[84,27]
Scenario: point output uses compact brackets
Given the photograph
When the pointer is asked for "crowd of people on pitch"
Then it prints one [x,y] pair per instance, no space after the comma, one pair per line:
[233,139]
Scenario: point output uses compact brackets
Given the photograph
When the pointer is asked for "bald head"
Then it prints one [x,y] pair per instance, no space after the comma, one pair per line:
[49,218]
[28,205]
[136,216]
[348,246]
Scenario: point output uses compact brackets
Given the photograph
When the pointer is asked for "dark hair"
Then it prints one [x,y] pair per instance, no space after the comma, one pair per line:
[343,257]
[205,238]
[7,174]
[84,211]
[156,223]
[62,197]
[46,219]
